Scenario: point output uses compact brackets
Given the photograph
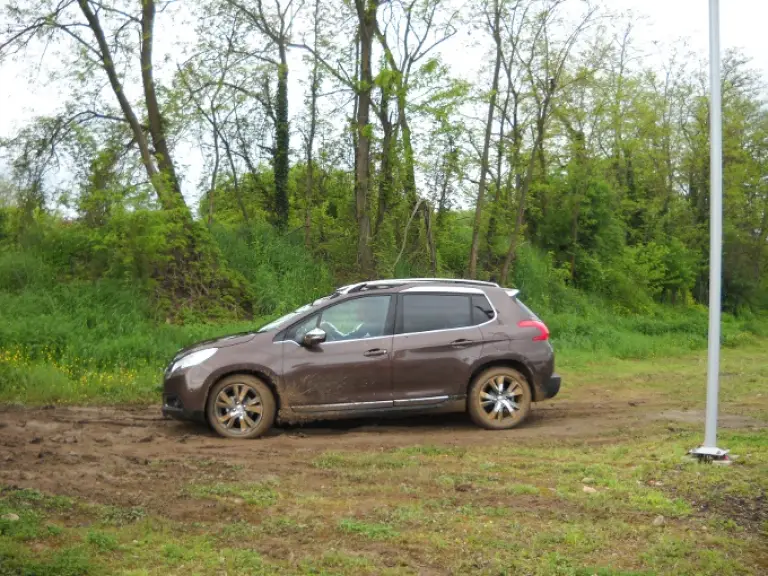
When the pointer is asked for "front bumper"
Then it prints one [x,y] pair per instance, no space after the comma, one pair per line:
[173,408]
[552,386]
[183,396]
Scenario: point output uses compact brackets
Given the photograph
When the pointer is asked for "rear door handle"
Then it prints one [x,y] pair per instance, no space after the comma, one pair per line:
[375,352]
[461,343]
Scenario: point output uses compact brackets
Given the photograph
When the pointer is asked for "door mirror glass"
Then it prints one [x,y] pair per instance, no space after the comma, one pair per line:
[314,337]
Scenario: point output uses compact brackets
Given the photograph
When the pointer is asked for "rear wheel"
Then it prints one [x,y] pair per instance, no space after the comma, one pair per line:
[499,398]
[241,406]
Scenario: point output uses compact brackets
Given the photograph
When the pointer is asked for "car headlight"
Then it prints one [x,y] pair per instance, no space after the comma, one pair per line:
[193,359]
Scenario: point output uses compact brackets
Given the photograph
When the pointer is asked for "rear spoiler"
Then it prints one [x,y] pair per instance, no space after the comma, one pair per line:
[512,292]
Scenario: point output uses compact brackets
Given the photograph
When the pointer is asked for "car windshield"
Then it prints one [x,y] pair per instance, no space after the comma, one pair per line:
[278,322]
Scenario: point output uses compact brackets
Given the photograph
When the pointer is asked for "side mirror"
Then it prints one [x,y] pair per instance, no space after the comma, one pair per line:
[314,337]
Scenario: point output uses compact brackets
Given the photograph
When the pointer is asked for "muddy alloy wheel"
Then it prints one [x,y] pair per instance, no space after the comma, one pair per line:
[241,406]
[499,398]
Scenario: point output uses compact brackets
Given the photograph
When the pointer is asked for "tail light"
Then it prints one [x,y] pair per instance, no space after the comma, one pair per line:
[539,325]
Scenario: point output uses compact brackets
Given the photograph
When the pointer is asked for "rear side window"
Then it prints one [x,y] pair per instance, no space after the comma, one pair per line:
[482,311]
[428,312]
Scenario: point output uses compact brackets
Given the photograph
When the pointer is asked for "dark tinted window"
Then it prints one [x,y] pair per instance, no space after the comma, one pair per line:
[482,311]
[426,312]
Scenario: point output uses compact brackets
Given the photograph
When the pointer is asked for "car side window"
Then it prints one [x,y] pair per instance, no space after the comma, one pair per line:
[297,332]
[482,311]
[428,312]
[356,319]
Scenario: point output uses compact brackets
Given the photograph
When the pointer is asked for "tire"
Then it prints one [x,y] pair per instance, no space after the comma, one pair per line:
[494,411]
[234,404]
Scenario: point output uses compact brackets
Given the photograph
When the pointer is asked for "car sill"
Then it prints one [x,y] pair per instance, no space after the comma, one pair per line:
[344,406]
[429,401]
[426,401]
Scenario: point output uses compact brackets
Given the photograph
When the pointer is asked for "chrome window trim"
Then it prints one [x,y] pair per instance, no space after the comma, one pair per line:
[495,316]
[425,400]
[357,340]
[337,341]
[444,290]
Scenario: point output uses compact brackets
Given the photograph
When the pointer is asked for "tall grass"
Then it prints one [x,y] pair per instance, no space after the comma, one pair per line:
[82,340]
[97,341]
[585,326]
[278,267]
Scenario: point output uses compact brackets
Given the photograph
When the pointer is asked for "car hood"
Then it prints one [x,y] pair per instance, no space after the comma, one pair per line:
[221,342]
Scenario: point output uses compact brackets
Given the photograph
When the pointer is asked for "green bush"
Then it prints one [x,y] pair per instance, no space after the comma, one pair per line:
[278,269]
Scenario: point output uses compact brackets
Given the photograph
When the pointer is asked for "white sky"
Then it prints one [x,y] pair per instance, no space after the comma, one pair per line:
[659,25]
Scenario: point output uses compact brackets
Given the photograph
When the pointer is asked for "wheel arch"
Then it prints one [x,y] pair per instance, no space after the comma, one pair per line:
[515,364]
[254,371]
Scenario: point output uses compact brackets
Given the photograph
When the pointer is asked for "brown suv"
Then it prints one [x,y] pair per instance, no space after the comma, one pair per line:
[384,347]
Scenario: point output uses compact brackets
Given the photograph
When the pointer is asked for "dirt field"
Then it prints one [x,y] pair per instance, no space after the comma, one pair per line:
[596,484]
[135,457]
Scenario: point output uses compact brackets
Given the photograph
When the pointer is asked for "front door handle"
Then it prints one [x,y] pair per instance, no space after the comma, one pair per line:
[461,343]
[375,352]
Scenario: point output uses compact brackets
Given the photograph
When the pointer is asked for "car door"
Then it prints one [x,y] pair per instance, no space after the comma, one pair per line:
[352,369]
[436,343]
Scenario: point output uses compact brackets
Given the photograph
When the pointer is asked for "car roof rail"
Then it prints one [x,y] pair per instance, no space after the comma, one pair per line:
[401,281]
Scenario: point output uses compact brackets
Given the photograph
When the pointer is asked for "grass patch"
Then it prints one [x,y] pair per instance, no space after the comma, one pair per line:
[370,530]
[520,516]
[121,516]
[260,495]
[390,460]
[102,541]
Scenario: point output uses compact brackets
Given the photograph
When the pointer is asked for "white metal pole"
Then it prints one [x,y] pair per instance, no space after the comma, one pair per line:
[715,224]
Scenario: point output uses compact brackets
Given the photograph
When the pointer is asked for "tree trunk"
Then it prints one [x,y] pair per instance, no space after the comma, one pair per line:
[575,237]
[410,169]
[366,14]
[282,142]
[491,232]
[427,210]
[449,160]
[235,183]
[313,89]
[540,125]
[214,176]
[474,249]
[169,181]
[405,234]
[125,106]
[517,138]
[386,178]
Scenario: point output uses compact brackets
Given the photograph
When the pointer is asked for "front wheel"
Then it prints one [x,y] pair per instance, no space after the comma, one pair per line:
[499,398]
[241,406]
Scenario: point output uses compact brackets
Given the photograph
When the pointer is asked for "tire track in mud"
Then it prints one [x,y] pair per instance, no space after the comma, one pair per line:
[132,456]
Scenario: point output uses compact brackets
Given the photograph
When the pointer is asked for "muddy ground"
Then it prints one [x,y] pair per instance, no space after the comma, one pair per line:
[127,456]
